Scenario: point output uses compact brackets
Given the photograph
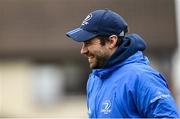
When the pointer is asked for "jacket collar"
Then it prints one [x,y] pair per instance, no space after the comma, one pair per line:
[106,72]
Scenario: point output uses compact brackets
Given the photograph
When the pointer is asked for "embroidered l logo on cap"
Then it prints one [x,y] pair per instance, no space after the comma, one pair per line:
[85,21]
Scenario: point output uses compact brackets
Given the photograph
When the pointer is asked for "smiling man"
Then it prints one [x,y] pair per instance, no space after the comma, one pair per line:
[97,51]
[122,84]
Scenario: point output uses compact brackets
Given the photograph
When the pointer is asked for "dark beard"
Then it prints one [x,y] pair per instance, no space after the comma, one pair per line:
[100,61]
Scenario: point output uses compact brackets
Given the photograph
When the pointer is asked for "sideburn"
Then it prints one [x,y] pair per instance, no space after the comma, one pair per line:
[104,39]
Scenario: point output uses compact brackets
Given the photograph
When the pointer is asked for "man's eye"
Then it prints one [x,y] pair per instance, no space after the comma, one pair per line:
[87,43]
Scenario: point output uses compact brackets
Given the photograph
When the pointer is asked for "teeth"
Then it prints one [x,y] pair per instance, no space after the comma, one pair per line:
[90,58]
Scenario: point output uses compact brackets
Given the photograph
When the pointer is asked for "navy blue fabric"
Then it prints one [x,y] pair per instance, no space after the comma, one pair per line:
[80,35]
[99,22]
[128,87]
[131,44]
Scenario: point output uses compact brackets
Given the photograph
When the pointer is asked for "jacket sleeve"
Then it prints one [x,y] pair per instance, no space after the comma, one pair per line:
[153,98]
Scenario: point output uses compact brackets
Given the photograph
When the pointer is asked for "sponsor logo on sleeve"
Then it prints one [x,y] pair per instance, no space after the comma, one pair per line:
[159,96]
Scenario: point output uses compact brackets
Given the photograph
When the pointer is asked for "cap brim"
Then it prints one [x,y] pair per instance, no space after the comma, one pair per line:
[80,35]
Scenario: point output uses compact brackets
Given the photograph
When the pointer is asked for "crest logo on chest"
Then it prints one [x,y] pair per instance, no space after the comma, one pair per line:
[106,105]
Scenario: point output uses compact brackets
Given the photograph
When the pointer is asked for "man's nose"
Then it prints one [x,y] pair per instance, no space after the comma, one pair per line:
[84,50]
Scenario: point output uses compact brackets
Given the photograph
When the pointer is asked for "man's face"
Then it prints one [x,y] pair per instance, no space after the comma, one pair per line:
[96,53]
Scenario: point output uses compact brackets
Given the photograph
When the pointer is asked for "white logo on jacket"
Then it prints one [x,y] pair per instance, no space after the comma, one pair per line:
[106,105]
[89,111]
[160,95]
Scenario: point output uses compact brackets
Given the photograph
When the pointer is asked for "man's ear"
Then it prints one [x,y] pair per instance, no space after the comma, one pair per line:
[112,41]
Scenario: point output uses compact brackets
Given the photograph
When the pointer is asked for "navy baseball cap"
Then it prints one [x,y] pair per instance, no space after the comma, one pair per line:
[99,22]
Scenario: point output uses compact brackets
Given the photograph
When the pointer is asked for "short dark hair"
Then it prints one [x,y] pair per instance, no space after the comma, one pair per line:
[104,39]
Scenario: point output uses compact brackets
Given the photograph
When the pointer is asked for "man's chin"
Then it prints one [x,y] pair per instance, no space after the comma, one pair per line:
[92,66]
[95,65]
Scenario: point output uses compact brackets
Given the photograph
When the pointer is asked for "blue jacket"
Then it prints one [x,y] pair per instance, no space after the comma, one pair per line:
[129,87]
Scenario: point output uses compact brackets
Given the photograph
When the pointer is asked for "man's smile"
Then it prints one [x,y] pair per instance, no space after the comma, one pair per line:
[90,58]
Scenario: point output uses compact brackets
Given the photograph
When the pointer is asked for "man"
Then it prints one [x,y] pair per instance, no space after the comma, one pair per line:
[122,84]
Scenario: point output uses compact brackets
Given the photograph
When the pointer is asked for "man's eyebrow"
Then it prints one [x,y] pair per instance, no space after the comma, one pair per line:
[86,42]
[89,41]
